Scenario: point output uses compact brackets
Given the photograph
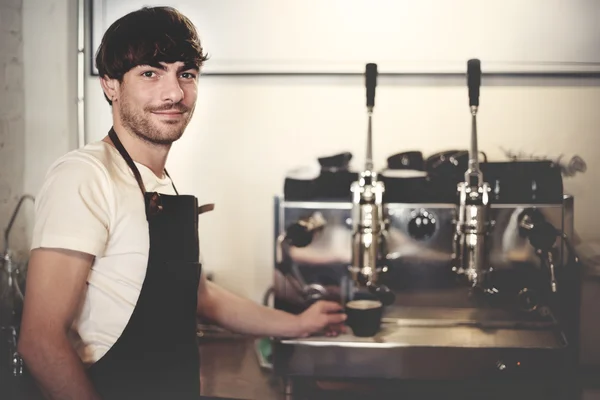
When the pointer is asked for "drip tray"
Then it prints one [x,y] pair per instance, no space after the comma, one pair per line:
[403,334]
[454,346]
[441,327]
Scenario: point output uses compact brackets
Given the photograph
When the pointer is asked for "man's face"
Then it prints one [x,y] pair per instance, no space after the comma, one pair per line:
[157,103]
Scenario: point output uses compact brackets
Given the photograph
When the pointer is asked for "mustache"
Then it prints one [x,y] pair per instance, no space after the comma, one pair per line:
[169,107]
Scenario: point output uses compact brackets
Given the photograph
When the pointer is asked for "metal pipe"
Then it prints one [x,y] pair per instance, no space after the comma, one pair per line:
[369,158]
[473,224]
[367,203]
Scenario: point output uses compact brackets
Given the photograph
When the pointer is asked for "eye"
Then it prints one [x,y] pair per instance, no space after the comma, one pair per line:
[148,74]
[188,75]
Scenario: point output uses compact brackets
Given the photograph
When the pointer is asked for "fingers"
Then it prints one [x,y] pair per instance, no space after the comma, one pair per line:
[338,328]
[326,317]
[335,330]
[332,312]
[336,318]
[330,306]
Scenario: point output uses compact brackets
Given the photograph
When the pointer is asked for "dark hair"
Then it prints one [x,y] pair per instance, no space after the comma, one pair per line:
[147,37]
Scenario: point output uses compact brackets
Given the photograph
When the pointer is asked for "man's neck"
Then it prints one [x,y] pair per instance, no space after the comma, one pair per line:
[151,155]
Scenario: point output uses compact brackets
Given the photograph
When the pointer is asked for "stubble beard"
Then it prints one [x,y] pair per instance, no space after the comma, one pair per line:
[162,133]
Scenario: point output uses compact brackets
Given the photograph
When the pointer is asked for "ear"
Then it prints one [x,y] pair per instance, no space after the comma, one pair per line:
[110,87]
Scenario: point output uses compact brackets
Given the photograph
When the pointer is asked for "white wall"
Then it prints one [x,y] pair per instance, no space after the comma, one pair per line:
[38,64]
[247,131]
[50,54]
[402,35]
[12,114]
[50,91]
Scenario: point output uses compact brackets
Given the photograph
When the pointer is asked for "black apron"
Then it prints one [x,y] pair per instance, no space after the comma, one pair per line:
[156,357]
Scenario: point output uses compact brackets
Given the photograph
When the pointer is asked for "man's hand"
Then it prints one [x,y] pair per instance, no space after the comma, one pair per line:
[241,315]
[322,316]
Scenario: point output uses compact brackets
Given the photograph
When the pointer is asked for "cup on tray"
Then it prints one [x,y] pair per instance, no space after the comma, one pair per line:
[364,316]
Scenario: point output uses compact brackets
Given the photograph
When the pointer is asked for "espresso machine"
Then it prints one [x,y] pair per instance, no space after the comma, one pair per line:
[471,259]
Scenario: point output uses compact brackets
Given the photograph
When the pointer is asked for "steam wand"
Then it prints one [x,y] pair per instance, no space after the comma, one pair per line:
[542,236]
[473,225]
[299,234]
[367,211]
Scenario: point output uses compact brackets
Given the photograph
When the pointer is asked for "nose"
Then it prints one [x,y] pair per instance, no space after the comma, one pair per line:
[171,89]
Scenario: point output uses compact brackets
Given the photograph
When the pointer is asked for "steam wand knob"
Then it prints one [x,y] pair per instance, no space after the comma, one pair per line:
[382,293]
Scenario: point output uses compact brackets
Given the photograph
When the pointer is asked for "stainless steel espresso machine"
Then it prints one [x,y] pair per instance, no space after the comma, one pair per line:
[470,257]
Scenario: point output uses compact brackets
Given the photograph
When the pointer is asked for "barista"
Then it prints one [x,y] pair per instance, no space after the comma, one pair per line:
[114,283]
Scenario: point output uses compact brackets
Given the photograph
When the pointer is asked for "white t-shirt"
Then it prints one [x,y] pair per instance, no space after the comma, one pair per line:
[90,202]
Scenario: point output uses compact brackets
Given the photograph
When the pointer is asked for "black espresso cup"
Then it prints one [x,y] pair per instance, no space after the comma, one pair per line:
[364,317]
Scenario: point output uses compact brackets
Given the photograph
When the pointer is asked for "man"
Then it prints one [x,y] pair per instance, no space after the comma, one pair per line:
[114,285]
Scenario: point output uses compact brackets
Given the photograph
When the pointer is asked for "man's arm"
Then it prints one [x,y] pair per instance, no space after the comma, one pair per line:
[244,316]
[56,281]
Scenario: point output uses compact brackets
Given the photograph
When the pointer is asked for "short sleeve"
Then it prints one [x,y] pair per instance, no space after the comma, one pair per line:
[73,209]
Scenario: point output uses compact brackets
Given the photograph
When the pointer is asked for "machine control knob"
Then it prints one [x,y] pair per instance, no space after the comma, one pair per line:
[382,293]
[527,300]
[500,365]
[298,235]
[422,225]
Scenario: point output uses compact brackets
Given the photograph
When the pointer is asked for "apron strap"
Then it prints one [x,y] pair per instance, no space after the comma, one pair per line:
[138,177]
[172,183]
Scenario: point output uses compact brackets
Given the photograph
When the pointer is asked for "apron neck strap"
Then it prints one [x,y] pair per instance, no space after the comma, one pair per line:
[138,177]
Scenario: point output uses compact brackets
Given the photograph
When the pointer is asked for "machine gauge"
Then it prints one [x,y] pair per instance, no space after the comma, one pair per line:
[422,224]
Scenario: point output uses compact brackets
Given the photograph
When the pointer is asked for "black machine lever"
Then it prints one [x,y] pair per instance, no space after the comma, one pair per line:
[371,84]
[474,81]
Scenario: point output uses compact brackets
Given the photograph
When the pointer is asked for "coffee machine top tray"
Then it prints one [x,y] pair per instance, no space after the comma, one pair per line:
[511,182]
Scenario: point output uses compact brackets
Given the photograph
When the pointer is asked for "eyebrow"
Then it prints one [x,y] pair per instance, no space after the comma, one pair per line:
[185,67]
